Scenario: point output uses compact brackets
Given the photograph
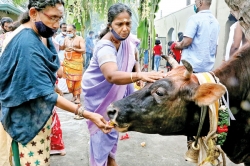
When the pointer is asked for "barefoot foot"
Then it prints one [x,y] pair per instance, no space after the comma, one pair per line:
[111,162]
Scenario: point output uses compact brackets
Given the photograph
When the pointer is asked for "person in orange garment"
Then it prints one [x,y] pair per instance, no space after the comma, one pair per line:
[74,47]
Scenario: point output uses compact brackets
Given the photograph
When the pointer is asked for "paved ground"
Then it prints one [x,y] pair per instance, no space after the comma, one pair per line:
[159,150]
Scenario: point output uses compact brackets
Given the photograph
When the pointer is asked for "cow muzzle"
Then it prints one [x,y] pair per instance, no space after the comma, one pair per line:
[113,114]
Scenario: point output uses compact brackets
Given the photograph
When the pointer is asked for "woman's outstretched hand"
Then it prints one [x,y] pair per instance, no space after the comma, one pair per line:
[100,122]
[151,76]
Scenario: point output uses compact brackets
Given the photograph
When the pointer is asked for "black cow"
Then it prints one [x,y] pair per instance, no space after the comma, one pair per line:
[170,106]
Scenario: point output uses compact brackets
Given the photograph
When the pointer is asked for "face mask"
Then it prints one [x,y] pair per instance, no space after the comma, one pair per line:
[70,35]
[43,30]
[117,36]
[64,33]
[195,9]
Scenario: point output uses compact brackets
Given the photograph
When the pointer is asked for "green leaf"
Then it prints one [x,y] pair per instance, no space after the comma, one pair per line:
[18,2]
[142,33]
[78,26]
[156,8]
[75,21]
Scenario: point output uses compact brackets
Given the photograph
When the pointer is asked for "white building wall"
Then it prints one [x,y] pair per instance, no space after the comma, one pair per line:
[171,24]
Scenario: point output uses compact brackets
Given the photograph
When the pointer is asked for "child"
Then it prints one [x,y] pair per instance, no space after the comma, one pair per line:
[157,54]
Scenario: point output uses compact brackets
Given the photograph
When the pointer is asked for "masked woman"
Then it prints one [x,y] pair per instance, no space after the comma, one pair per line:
[109,77]
[27,72]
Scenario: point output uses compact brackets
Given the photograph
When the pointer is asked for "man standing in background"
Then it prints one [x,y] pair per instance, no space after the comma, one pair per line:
[200,38]
[238,39]
[60,39]
[74,46]
[89,49]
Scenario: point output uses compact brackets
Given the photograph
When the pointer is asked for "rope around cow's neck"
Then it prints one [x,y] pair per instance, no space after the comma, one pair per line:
[202,119]
[226,101]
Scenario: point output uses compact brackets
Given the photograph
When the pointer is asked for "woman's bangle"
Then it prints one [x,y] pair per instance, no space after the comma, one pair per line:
[131,77]
[80,111]
[136,76]
[78,106]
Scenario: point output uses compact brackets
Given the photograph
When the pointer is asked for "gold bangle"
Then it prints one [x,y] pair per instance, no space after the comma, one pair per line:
[131,77]
[137,76]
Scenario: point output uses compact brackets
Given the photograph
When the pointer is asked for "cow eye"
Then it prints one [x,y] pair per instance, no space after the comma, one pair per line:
[159,93]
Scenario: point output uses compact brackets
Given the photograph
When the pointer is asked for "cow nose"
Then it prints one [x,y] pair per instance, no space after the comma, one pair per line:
[112,112]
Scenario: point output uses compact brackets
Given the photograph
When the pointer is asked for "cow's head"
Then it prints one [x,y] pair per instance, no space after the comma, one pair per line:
[166,106]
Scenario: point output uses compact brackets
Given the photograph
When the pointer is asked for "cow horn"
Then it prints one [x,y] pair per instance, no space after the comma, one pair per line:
[189,68]
[171,61]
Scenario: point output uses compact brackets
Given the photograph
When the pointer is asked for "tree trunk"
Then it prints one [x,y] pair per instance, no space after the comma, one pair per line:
[240,9]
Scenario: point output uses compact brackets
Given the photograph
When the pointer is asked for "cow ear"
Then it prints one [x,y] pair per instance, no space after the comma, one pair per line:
[208,93]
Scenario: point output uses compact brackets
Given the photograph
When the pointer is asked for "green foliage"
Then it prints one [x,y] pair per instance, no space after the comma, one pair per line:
[142,33]
[18,2]
[146,28]
[80,12]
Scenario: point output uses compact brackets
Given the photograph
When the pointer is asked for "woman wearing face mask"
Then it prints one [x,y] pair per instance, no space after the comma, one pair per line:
[109,77]
[27,72]
[73,62]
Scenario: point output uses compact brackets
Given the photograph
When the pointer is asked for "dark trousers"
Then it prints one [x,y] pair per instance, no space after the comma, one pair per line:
[87,60]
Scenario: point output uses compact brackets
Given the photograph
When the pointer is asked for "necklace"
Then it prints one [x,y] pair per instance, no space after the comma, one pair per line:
[68,55]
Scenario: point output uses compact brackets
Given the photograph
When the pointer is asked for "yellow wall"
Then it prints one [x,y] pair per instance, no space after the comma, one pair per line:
[178,20]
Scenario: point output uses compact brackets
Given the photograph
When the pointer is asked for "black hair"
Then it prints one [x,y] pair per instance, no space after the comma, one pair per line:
[157,42]
[91,32]
[62,24]
[73,26]
[38,5]
[113,11]
[6,19]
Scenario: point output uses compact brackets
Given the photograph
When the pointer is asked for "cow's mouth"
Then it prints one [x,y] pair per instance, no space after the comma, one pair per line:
[120,127]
